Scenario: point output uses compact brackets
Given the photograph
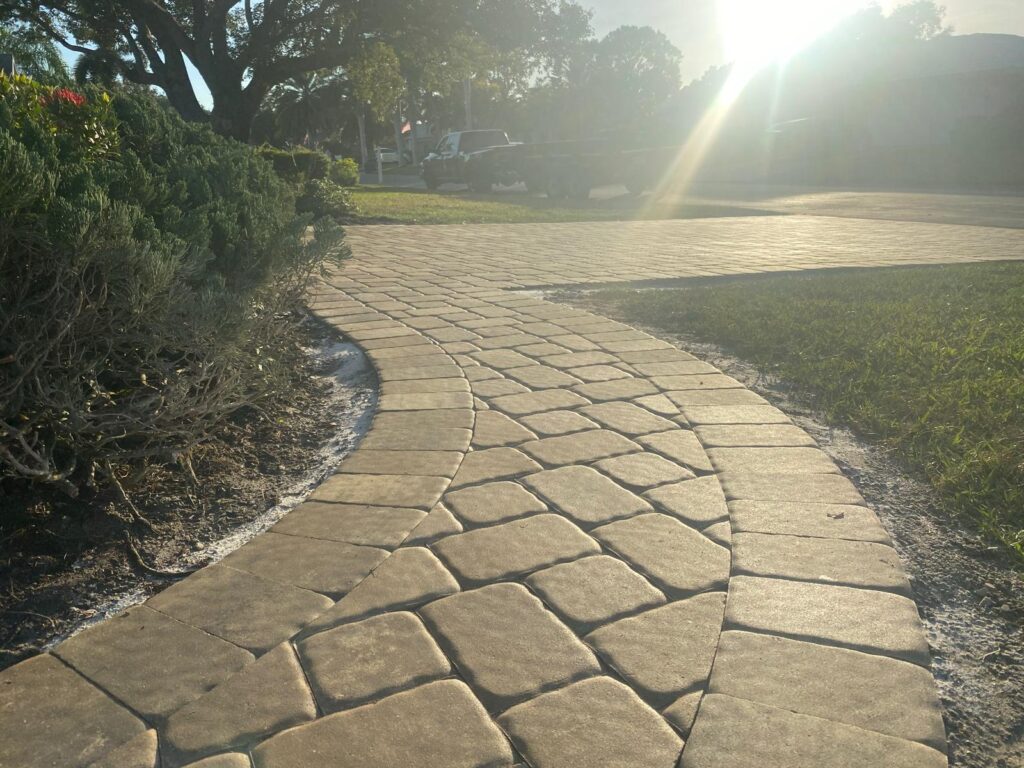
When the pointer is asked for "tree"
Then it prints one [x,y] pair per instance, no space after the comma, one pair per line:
[308,106]
[35,55]
[242,50]
[376,82]
[635,72]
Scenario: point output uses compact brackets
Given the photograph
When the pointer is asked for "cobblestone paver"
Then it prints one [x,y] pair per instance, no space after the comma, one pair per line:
[563,542]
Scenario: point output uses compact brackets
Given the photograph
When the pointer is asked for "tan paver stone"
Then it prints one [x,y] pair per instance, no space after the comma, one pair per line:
[493,464]
[423,463]
[424,386]
[674,368]
[754,436]
[774,460]
[816,488]
[681,446]
[498,387]
[450,334]
[683,711]
[502,359]
[514,548]
[493,503]
[481,373]
[357,663]
[861,619]
[428,420]
[371,526]
[508,341]
[387,374]
[580,447]
[438,724]
[677,558]
[829,521]
[731,414]
[417,439]
[627,418]
[574,342]
[599,373]
[508,646]
[425,401]
[594,591]
[599,723]
[495,430]
[140,752]
[395,330]
[228,760]
[698,502]
[554,423]
[619,389]
[660,405]
[666,651]
[244,609]
[666,354]
[701,381]
[50,716]
[329,567]
[412,491]
[833,561]
[643,470]
[871,692]
[409,577]
[720,533]
[436,525]
[577,359]
[775,738]
[152,663]
[543,350]
[538,402]
[585,495]
[542,377]
[268,696]
[639,345]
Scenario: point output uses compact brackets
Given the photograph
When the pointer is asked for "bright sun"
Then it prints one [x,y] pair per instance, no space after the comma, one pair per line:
[760,32]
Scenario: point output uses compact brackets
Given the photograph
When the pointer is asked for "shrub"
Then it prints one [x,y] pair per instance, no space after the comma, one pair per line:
[298,164]
[325,198]
[149,273]
[344,172]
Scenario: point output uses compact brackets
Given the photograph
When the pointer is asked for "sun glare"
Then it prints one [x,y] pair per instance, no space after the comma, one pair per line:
[761,32]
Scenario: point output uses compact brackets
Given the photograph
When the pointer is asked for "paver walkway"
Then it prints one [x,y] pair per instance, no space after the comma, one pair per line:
[562,543]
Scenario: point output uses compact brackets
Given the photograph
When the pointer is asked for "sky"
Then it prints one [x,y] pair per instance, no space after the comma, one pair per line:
[696,26]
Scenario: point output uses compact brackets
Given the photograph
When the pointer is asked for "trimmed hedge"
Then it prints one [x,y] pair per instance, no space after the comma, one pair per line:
[150,277]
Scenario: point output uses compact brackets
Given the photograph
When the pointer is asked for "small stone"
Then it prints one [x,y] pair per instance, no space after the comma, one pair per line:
[666,651]
[598,723]
[683,711]
[594,591]
[436,525]
[509,647]
[438,724]
[556,423]
[357,663]
[493,464]
[494,503]
[494,430]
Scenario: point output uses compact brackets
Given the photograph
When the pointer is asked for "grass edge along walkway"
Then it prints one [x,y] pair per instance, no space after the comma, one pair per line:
[925,361]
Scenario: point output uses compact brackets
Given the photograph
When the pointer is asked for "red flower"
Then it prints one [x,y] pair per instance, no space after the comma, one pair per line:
[67,95]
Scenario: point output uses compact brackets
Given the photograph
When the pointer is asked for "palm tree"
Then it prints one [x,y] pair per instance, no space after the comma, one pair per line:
[309,106]
[34,54]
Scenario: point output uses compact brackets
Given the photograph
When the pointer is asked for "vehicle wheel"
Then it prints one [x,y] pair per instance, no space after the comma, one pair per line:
[580,189]
[432,182]
[636,187]
[481,187]
[557,188]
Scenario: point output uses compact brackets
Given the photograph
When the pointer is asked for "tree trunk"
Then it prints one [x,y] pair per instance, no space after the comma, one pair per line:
[363,147]
[414,111]
[399,141]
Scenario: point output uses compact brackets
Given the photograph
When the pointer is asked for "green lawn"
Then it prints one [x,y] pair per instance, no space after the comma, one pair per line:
[401,206]
[928,362]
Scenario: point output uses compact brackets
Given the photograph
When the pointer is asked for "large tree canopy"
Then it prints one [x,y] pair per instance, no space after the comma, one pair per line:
[244,48]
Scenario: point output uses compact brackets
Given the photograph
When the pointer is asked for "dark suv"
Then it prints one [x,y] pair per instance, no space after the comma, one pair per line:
[447,163]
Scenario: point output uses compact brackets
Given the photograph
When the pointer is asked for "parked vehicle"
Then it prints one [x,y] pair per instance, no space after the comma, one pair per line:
[449,161]
[561,169]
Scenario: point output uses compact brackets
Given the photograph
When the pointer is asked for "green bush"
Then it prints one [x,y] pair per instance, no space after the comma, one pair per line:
[325,198]
[298,164]
[150,273]
[344,172]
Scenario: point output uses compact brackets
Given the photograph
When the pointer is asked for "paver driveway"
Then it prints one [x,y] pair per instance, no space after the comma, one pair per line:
[562,543]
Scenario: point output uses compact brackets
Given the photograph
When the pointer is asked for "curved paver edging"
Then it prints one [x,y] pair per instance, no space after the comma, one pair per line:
[558,528]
